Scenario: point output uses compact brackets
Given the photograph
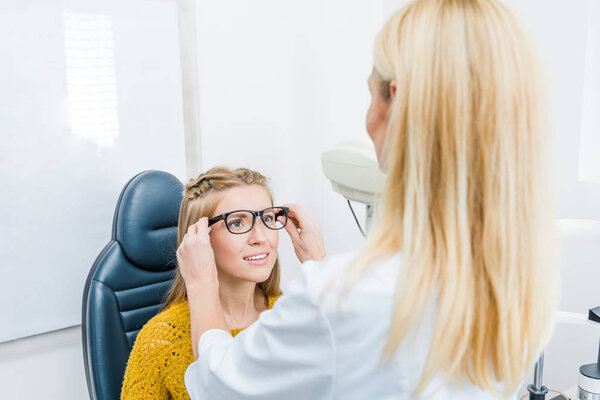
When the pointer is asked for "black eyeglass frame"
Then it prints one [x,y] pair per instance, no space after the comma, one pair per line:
[284,211]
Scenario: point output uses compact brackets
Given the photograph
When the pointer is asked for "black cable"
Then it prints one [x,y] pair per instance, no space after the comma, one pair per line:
[356,219]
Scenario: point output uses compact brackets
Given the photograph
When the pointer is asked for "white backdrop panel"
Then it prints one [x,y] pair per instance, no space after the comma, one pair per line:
[279,83]
[91,95]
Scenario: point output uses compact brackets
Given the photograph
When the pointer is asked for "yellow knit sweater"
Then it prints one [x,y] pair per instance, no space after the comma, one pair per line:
[161,353]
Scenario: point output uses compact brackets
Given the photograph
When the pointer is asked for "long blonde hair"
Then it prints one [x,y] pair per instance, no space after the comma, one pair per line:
[468,200]
[200,199]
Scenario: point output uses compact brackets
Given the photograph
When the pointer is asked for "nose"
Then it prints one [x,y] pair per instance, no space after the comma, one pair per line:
[258,232]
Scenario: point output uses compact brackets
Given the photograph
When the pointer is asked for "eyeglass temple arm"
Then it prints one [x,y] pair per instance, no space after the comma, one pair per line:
[283,212]
[216,219]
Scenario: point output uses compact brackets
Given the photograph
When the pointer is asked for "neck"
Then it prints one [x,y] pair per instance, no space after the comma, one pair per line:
[239,301]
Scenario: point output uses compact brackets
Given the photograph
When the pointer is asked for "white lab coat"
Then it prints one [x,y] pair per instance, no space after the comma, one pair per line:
[306,349]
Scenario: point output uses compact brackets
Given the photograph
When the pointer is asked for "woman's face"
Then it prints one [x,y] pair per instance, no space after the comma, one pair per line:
[232,250]
[377,116]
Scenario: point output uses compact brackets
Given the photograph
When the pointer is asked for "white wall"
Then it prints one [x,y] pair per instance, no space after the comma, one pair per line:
[47,366]
[279,83]
[560,28]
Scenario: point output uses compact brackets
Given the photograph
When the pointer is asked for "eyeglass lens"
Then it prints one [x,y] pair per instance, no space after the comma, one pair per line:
[241,221]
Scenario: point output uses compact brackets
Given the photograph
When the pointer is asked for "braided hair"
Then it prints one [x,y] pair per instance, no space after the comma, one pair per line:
[200,199]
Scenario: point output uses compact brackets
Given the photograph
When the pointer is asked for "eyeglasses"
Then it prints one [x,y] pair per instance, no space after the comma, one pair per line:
[242,221]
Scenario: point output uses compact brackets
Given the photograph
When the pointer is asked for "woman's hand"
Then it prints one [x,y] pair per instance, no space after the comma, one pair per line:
[195,256]
[199,271]
[305,234]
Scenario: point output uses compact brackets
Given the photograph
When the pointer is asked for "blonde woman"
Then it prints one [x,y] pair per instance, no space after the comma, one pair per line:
[454,293]
[244,240]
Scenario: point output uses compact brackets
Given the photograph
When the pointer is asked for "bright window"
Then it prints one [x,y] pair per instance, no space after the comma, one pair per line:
[91,79]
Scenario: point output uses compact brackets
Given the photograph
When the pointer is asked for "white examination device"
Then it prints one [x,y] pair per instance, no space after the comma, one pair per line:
[353,170]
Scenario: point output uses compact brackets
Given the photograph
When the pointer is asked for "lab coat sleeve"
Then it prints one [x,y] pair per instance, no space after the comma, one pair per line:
[288,353]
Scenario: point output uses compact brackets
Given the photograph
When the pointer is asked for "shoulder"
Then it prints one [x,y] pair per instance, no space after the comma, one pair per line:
[330,266]
[317,275]
[176,316]
[321,282]
[161,349]
[328,275]
[175,312]
[316,272]
[169,326]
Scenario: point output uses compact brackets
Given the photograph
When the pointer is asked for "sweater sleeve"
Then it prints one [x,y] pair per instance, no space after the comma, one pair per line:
[143,379]
[287,354]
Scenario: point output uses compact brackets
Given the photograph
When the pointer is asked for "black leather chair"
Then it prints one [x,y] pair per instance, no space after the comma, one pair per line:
[130,278]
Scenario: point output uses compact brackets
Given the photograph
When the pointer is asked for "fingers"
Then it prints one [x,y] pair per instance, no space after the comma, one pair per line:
[195,258]
[292,229]
[300,214]
[198,228]
[305,234]
[202,225]
[192,229]
[302,220]
[297,215]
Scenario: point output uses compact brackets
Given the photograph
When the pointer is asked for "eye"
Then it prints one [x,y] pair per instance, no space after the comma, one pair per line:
[268,218]
[236,223]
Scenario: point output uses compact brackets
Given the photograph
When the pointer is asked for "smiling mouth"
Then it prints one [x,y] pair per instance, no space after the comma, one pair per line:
[257,257]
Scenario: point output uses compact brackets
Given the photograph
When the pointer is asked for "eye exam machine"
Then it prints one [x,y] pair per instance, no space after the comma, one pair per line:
[353,170]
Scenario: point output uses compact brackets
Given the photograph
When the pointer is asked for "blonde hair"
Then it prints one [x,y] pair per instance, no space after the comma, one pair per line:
[200,199]
[467,201]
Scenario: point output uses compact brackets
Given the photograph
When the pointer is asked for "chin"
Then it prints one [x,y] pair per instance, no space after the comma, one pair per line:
[260,274]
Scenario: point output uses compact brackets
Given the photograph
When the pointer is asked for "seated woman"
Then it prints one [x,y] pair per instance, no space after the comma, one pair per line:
[245,252]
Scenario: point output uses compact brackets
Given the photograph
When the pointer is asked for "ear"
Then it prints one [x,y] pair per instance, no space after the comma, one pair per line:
[393,87]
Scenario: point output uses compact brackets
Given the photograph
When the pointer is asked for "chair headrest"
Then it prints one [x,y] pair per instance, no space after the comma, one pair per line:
[145,221]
